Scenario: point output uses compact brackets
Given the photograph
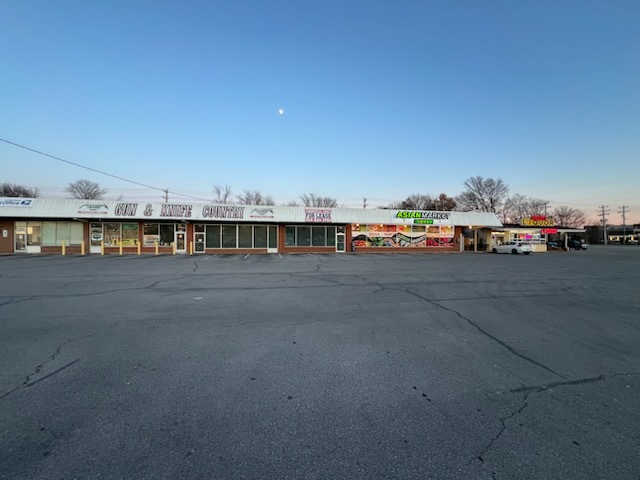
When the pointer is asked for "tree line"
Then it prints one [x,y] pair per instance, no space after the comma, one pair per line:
[479,194]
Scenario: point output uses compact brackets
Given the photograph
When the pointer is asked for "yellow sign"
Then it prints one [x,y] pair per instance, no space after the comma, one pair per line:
[538,221]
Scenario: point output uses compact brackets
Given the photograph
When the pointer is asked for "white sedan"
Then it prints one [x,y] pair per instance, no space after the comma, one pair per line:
[512,247]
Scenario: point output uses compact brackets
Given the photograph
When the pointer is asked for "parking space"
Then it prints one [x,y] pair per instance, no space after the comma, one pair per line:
[320,366]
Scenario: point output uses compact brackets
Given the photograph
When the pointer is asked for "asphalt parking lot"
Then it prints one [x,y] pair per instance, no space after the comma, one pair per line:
[443,366]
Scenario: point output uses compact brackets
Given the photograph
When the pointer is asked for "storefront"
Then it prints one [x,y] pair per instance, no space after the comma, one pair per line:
[106,227]
[539,231]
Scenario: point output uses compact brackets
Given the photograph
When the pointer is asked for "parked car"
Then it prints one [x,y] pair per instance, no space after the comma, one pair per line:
[577,244]
[512,247]
[552,244]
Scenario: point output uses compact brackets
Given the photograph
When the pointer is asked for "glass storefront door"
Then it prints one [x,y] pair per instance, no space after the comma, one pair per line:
[181,238]
[95,238]
[21,236]
[340,240]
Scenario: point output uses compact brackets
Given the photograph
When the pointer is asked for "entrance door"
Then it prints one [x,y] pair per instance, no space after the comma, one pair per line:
[340,240]
[181,237]
[21,236]
[199,242]
[95,245]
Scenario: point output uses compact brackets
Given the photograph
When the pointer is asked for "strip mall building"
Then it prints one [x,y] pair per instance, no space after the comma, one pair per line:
[39,225]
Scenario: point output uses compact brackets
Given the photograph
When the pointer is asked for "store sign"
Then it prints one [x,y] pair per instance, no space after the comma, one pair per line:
[16,202]
[429,215]
[538,221]
[126,209]
[423,221]
[176,210]
[548,231]
[216,211]
[93,209]
[261,212]
[317,215]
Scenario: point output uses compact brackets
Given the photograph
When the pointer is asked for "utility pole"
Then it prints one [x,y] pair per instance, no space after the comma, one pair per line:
[604,209]
[623,210]
[364,203]
[546,204]
[166,195]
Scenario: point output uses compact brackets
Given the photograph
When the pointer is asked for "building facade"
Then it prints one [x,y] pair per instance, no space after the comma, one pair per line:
[39,225]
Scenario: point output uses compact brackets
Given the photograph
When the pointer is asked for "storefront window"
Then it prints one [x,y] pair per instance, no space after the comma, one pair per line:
[34,237]
[331,236]
[303,236]
[112,234]
[401,236]
[318,236]
[129,234]
[167,235]
[306,236]
[245,236]
[238,236]
[290,236]
[229,236]
[260,236]
[150,234]
[213,236]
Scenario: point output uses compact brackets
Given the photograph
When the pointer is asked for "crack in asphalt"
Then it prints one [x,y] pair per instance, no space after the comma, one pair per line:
[487,334]
[28,382]
[599,378]
[530,390]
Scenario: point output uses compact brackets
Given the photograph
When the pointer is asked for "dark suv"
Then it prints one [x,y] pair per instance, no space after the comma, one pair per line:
[577,244]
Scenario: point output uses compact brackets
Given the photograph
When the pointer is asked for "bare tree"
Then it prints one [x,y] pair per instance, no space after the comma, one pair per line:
[445,202]
[517,207]
[486,195]
[313,200]
[223,194]
[86,190]
[418,201]
[254,197]
[12,190]
[568,217]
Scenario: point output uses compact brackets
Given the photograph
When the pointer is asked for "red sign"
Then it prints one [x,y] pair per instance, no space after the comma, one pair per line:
[548,230]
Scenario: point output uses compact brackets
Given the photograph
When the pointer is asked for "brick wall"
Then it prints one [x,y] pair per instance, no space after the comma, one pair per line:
[6,243]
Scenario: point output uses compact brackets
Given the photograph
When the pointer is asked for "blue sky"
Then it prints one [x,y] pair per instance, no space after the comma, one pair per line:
[381,99]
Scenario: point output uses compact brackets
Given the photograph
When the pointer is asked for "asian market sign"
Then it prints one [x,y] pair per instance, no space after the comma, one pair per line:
[317,215]
[538,221]
[423,216]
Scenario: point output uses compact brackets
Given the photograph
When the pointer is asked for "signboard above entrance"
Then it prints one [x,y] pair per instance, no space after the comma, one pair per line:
[538,221]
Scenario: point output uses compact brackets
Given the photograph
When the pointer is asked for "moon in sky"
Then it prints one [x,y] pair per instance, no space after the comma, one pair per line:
[281,111]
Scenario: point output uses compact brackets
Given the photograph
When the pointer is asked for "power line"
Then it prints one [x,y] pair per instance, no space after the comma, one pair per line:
[165,191]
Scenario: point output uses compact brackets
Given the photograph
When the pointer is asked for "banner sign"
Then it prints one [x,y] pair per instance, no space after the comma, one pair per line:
[317,215]
[16,202]
[93,209]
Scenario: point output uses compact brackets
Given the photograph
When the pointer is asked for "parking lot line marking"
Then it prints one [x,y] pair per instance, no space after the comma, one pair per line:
[245,257]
